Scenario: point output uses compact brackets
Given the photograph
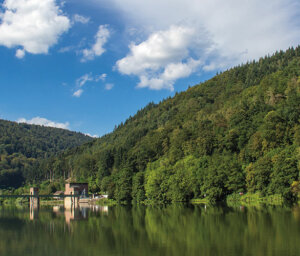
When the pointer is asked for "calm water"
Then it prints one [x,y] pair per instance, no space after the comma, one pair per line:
[172,230]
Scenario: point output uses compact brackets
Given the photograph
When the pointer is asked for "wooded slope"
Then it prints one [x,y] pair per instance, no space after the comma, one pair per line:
[237,132]
[22,146]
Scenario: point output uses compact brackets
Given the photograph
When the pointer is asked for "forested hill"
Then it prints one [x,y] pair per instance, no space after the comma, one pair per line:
[237,132]
[22,146]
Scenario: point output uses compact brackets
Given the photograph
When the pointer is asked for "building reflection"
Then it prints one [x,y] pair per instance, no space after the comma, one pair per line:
[75,214]
[71,214]
[99,208]
[82,213]
[33,212]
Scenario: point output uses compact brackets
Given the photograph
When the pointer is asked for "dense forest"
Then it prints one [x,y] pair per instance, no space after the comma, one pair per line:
[237,132]
[24,146]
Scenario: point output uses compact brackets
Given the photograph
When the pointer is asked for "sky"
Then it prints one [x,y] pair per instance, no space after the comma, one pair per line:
[88,65]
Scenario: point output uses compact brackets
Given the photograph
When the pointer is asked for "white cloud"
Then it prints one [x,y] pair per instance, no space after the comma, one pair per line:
[101,77]
[20,54]
[34,25]
[174,71]
[66,49]
[44,122]
[78,93]
[158,50]
[81,82]
[162,58]
[97,48]
[217,33]
[171,73]
[108,87]
[80,19]
[93,136]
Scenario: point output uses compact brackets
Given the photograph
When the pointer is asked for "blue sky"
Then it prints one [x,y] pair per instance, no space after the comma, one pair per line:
[88,65]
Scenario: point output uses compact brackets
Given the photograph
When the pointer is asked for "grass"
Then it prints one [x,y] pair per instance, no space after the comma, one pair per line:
[199,201]
[106,202]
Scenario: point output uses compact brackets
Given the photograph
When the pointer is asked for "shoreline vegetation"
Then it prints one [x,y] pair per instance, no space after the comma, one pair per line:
[248,199]
[253,199]
[245,200]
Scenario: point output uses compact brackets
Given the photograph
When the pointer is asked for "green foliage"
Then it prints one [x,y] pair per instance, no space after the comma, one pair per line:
[108,185]
[296,188]
[237,132]
[157,181]
[184,180]
[123,185]
[258,175]
[24,146]
[284,172]
[138,189]
[10,179]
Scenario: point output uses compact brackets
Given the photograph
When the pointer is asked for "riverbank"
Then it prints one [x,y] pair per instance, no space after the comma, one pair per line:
[244,199]
[25,201]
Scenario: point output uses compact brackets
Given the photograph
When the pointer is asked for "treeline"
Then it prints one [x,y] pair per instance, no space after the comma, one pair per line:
[237,132]
[24,146]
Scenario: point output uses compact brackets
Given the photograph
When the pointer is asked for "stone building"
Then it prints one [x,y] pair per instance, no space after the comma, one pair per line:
[78,190]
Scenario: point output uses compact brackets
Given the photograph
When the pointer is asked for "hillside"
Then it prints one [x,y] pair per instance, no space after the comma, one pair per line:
[22,146]
[237,132]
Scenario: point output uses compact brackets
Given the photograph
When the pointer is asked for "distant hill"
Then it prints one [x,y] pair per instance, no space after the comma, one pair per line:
[23,145]
[237,132]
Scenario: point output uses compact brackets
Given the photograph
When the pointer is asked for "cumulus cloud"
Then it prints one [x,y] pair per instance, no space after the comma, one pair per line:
[97,48]
[174,71]
[216,34]
[80,19]
[158,50]
[81,82]
[44,122]
[171,73]
[161,59]
[34,25]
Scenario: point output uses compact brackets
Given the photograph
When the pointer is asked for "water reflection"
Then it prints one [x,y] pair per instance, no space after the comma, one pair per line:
[70,214]
[74,215]
[33,212]
[141,231]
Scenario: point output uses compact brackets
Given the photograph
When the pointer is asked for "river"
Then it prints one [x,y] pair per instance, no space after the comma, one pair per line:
[170,230]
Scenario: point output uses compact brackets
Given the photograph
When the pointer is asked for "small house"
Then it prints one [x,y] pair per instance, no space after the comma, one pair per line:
[73,188]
